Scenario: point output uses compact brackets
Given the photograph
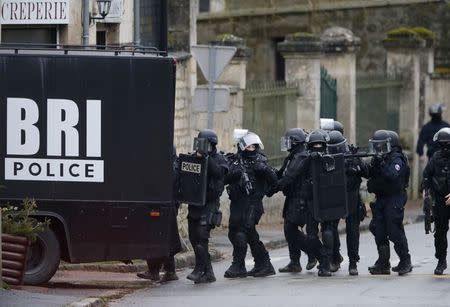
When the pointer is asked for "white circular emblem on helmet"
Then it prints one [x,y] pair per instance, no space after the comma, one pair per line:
[397,167]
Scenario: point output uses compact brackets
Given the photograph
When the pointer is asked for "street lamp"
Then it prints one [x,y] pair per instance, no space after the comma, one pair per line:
[103,8]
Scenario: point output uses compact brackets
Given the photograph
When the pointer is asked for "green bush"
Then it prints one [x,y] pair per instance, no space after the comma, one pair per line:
[402,33]
[19,221]
[424,33]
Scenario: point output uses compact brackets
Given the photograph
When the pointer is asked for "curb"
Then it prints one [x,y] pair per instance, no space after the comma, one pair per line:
[182,260]
[100,301]
[89,302]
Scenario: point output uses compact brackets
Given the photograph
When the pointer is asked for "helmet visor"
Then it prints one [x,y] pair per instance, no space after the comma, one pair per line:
[250,139]
[379,146]
[238,133]
[341,147]
[286,143]
[202,145]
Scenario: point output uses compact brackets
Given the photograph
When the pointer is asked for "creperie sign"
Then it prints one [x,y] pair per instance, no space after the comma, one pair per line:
[13,12]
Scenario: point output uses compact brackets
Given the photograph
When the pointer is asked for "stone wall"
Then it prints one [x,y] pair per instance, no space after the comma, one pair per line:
[438,91]
[369,22]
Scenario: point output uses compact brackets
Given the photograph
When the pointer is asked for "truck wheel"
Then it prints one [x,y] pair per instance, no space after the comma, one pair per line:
[42,259]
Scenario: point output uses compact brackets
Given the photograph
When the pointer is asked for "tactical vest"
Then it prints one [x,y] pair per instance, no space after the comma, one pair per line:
[215,186]
[379,185]
[441,174]
[293,190]
[306,191]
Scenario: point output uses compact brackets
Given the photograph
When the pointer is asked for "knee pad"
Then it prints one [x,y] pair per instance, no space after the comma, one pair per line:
[328,238]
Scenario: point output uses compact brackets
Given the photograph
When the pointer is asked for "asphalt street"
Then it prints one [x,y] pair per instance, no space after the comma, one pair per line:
[419,288]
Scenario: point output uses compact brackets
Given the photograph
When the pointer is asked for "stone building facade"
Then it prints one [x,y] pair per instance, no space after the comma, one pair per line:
[265,23]
[60,22]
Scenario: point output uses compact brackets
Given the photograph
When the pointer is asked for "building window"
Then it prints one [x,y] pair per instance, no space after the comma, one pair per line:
[29,35]
[280,70]
[101,40]
[204,6]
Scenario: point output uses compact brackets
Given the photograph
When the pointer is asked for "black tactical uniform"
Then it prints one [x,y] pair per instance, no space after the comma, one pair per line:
[429,130]
[355,169]
[155,264]
[330,125]
[200,218]
[388,179]
[436,179]
[295,211]
[316,144]
[249,179]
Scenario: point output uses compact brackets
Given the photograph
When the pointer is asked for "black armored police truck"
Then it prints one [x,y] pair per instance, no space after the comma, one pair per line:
[88,134]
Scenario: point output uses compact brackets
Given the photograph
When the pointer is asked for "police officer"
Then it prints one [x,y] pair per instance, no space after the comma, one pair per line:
[430,129]
[249,179]
[201,219]
[329,125]
[295,211]
[388,179]
[436,177]
[155,264]
[316,144]
[355,168]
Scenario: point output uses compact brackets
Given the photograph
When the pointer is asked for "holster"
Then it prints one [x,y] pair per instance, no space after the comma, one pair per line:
[214,218]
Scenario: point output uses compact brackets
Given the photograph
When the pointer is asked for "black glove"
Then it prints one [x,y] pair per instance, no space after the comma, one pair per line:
[235,171]
[362,211]
[260,167]
[315,154]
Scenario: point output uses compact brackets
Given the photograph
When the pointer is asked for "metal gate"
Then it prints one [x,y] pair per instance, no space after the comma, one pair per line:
[377,106]
[328,95]
[269,109]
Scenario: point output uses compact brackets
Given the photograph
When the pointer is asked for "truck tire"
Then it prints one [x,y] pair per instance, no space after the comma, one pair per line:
[43,258]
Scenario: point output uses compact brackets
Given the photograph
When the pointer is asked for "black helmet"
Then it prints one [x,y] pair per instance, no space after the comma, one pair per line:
[395,139]
[442,136]
[380,143]
[205,141]
[292,138]
[208,134]
[337,143]
[317,137]
[436,109]
[338,126]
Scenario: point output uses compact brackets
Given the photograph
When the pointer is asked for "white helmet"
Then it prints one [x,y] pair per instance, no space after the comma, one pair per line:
[250,138]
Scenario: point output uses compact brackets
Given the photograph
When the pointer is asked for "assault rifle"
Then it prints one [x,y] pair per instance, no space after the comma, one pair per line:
[428,212]
[245,180]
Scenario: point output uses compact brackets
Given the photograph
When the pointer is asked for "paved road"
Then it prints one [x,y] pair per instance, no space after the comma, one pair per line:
[420,288]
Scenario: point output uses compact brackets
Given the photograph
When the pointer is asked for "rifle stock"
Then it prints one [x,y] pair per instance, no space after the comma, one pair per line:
[427,210]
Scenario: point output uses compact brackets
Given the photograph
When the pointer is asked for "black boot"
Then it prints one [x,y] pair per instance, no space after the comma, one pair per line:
[382,266]
[256,268]
[237,269]
[292,267]
[352,268]
[324,269]
[312,262]
[335,264]
[208,276]
[266,270]
[169,276]
[395,268]
[404,266]
[200,263]
[441,266]
[151,275]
